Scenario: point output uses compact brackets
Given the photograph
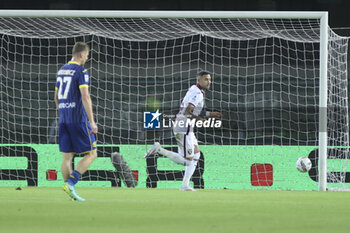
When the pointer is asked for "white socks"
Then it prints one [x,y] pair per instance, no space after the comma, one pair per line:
[174,157]
[177,158]
[189,170]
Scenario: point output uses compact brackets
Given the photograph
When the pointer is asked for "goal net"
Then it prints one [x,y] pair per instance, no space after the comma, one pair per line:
[265,81]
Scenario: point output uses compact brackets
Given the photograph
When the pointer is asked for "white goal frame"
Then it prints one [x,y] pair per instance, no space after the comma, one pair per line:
[322,16]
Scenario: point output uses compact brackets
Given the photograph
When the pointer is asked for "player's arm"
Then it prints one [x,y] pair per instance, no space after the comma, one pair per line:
[56,97]
[86,99]
[215,114]
[210,114]
[189,113]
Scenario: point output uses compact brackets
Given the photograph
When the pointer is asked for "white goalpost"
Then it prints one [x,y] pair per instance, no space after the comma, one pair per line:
[280,79]
[323,103]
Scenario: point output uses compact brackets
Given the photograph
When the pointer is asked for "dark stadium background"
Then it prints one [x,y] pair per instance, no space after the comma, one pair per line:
[338,9]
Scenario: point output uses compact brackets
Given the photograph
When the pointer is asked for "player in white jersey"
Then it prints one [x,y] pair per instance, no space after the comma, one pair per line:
[190,110]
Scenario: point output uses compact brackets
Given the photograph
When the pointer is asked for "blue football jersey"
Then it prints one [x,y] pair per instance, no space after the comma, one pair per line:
[70,78]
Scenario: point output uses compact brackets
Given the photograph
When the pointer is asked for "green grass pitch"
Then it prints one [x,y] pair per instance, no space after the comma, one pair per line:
[169,210]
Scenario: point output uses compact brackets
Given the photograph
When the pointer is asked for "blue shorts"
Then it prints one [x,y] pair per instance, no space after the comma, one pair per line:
[76,138]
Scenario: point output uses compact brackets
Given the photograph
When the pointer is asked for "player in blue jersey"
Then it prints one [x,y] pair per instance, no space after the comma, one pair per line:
[76,124]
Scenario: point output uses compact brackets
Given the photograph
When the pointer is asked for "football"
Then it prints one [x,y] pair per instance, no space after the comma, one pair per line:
[303,164]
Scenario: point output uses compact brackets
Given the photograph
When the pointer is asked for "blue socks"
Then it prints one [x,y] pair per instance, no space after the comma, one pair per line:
[74,178]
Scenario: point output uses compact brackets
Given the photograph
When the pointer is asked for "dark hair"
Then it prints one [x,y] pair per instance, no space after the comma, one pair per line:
[202,73]
[80,47]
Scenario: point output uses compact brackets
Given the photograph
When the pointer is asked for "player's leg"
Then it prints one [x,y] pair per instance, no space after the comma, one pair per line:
[175,157]
[85,163]
[193,150]
[66,148]
[66,172]
[80,169]
[66,167]
[84,143]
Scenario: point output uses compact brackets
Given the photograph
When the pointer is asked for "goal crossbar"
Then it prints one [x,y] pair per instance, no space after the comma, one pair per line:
[165,14]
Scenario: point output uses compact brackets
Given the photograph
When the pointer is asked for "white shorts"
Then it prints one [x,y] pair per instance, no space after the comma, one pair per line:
[186,143]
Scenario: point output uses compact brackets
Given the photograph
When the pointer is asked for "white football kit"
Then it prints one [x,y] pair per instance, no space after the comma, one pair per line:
[183,129]
[186,140]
